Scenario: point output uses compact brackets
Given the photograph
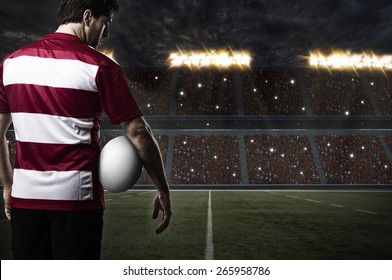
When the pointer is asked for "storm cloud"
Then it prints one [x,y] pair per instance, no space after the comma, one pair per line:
[277,33]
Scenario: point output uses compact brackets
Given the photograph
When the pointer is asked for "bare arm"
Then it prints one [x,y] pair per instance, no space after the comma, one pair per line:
[139,133]
[5,164]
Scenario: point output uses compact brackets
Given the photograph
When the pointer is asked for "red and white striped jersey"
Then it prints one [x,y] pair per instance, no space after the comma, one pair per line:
[56,90]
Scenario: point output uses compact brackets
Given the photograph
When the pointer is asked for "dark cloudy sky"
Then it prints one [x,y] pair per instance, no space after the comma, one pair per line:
[276,32]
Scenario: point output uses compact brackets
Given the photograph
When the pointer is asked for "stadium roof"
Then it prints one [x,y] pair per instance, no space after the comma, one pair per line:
[277,32]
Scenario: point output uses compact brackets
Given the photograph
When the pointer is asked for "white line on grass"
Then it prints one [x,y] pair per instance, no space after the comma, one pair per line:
[209,253]
[108,199]
[311,200]
[364,211]
[274,193]
[143,193]
[125,196]
[292,196]
[337,205]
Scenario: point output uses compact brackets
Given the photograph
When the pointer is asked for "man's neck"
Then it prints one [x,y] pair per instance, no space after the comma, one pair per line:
[72,29]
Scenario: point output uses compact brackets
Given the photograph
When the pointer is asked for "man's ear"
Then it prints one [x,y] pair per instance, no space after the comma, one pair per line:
[87,17]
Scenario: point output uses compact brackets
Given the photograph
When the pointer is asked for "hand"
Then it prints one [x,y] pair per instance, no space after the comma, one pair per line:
[7,202]
[162,202]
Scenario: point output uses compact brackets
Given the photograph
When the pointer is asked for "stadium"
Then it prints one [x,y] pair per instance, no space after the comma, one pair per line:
[262,163]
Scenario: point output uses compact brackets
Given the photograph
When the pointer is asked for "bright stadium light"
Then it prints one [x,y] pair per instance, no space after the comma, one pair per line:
[208,59]
[340,60]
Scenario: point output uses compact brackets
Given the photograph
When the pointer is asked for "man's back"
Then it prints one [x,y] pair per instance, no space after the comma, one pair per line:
[54,90]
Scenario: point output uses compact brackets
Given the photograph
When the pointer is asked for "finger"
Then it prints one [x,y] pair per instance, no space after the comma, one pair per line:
[162,226]
[157,207]
[164,223]
[155,213]
[7,203]
[8,213]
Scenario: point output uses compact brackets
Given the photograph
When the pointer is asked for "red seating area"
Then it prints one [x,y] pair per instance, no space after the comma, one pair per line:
[388,140]
[280,160]
[209,160]
[381,88]
[354,159]
[205,92]
[271,93]
[151,90]
[264,92]
[337,93]
[270,159]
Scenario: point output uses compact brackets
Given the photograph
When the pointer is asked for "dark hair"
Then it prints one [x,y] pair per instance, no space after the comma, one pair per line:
[72,10]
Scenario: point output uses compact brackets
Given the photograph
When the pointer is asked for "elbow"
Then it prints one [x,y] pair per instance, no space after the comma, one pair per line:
[140,135]
[138,132]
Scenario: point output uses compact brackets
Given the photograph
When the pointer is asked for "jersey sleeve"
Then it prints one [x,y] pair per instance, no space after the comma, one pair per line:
[4,108]
[116,97]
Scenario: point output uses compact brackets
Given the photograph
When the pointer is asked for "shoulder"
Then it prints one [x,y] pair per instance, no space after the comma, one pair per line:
[64,46]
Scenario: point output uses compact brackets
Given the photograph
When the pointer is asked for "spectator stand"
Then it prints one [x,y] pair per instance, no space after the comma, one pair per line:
[380,87]
[205,92]
[337,93]
[269,92]
[152,90]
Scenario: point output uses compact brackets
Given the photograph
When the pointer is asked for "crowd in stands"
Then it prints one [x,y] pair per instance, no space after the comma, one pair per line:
[388,140]
[151,90]
[280,159]
[201,159]
[271,93]
[354,159]
[205,92]
[381,88]
[264,92]
[337,93]
[270,159]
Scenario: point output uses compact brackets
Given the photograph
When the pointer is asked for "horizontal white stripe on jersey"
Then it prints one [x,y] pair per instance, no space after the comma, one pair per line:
[52,185]
[47,129]
[59,73]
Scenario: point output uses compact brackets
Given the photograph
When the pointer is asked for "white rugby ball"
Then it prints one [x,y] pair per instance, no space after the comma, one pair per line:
[119,165]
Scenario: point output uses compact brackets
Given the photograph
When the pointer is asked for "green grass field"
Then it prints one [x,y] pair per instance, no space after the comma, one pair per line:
[282,225]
